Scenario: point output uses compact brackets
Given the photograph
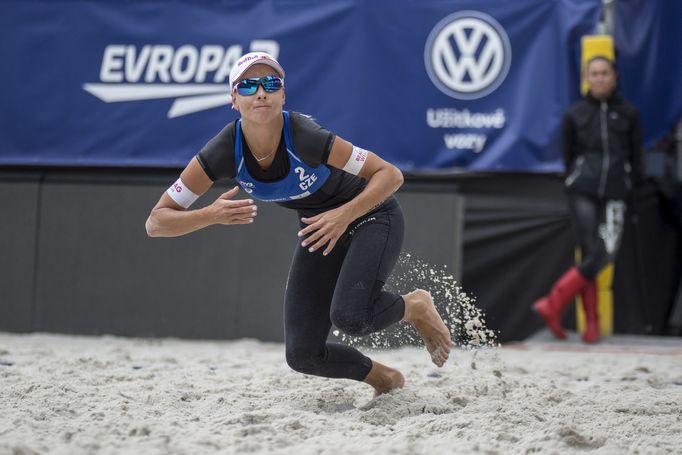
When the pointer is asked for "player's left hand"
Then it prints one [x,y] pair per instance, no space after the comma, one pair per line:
[324,229]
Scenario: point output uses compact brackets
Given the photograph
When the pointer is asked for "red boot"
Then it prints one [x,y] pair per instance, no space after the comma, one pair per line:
[563,291]
[591,334]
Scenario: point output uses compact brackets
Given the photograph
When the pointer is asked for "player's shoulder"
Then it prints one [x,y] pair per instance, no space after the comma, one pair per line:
[228,131]
[578,111]
[625,106]
[217,156]
[223,142]
[580,105]
[303,121]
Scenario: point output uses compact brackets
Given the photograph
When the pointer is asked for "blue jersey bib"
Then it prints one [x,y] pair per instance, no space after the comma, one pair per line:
[301,181]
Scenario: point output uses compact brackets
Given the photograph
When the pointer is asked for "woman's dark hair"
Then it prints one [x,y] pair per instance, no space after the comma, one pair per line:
[602,58]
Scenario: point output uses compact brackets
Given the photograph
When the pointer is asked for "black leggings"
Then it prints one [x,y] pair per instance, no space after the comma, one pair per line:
[344,287]
[598,225]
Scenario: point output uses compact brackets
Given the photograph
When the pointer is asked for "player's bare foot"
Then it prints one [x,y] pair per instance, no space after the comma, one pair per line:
[384,379]
[421,313]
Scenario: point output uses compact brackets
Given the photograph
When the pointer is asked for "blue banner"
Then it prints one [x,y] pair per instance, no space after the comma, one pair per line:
[648,40]
[473,84]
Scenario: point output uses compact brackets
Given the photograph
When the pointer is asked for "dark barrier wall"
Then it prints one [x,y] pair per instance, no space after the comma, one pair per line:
[649,267]
[75,257]
[18,230]
[517,241]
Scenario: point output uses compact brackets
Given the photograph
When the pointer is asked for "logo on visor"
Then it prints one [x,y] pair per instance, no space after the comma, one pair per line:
[196,78]
[467,55]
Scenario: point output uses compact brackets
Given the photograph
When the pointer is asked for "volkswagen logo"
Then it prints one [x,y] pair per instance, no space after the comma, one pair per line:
[467,55]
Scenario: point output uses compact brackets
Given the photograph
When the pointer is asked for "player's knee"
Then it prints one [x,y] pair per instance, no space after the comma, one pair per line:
[604,259]
[302,359]
[593,264]
[351,323]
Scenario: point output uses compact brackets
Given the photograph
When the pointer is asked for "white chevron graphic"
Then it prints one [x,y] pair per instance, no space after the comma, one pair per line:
[189,98]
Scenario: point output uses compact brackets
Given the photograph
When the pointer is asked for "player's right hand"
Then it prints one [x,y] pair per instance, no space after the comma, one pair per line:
[225,210]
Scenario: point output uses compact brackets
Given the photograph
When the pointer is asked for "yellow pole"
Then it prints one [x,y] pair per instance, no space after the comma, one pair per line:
[604,303]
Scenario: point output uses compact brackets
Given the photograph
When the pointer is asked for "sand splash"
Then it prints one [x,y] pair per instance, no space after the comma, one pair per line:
[458,309]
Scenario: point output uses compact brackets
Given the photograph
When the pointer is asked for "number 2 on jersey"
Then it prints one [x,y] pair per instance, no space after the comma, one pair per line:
[306,179]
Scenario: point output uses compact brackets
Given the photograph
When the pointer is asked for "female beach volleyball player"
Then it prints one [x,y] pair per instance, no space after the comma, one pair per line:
[602,140]
[351,225]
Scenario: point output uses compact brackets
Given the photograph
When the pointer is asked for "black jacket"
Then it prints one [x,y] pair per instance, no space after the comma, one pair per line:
[602,147]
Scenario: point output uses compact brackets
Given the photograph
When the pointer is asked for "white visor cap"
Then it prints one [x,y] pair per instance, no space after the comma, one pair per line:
[247,60]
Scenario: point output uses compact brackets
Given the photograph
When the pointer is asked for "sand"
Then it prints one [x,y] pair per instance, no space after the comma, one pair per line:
[105,395]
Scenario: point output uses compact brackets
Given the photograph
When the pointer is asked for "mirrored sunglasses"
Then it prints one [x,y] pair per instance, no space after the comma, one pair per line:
[248,87]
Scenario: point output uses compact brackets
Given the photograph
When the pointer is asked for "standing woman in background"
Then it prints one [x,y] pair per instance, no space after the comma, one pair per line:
[602,148]
[351,226]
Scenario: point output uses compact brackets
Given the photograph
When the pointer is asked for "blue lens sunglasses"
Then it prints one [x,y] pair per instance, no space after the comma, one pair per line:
[248,87]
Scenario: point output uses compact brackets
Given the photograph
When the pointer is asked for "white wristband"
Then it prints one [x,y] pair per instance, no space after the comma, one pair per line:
[357,159]
[181,194]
